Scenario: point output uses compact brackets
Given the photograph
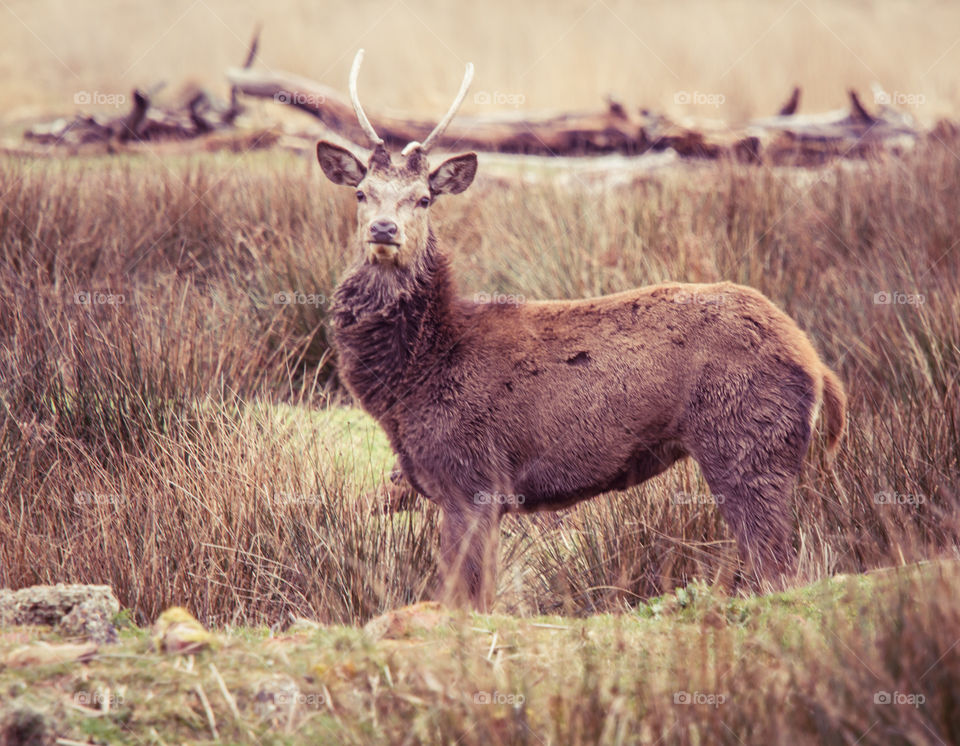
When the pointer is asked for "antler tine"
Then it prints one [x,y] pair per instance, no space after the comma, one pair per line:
[355,97]
[445,122]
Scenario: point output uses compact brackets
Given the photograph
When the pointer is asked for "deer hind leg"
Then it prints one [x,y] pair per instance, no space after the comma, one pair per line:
[750,441]
[468,555]
[757,509]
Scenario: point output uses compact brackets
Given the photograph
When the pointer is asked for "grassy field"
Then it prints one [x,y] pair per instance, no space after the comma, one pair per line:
[858,659]
[171,425]
[164,352]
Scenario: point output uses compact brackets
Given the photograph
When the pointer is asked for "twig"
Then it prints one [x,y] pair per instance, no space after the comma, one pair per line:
[231,702]
[493,646]
[207,709]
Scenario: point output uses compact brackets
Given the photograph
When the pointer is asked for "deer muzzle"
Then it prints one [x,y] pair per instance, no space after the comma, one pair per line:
[383,240]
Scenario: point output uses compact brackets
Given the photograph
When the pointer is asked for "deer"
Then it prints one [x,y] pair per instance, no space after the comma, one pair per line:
[496,408]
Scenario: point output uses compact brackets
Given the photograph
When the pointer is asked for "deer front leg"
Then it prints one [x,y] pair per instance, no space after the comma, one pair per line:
[468,554]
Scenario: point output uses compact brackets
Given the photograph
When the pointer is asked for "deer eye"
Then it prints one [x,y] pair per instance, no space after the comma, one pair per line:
[361,196]
[424,202]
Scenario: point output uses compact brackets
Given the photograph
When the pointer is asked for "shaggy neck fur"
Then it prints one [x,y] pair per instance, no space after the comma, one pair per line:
[386,319]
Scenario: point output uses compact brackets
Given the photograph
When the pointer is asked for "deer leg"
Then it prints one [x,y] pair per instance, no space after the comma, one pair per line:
[468,555]
[756,507]
[750,438]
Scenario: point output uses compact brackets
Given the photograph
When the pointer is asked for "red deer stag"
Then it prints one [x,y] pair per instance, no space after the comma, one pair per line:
[536,406]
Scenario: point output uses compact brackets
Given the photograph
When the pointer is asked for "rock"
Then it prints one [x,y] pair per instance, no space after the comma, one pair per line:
[301,625]
[400,623]
[89,619]
[177,631]
[73,610]
[6,607]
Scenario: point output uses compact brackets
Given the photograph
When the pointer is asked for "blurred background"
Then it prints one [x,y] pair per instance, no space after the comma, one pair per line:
[536,55]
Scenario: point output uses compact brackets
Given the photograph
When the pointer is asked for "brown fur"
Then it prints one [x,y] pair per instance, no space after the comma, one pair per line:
[535,406]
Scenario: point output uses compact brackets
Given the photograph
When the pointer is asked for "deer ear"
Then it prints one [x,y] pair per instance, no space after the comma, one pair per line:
[339,164]
[454,175]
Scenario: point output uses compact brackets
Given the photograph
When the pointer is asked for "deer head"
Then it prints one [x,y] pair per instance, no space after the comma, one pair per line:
[394,199]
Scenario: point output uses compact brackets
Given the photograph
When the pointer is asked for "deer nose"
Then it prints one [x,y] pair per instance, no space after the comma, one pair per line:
[383,230]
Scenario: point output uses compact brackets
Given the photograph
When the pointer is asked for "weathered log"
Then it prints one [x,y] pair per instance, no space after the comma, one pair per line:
[790,137]
[606,131]
[853,125]
[858,111]
[792,104]
[235,108]
[196,114]
[128,127]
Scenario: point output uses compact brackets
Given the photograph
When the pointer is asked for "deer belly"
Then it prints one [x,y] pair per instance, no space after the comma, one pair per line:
[550,483]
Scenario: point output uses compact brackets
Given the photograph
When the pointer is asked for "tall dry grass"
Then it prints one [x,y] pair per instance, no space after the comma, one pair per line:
[134,449]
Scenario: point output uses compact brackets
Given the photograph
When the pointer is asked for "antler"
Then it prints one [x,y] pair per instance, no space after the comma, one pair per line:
[355,97]
[445,122]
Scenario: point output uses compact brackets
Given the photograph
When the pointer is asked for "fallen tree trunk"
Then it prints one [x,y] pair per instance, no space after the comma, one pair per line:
[788,139]
[599,132]
[197,113]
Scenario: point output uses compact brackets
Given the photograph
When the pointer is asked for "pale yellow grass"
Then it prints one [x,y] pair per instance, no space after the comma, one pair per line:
[538,54]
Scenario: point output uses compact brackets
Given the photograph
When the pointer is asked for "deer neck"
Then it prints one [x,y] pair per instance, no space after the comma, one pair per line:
[389,324]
